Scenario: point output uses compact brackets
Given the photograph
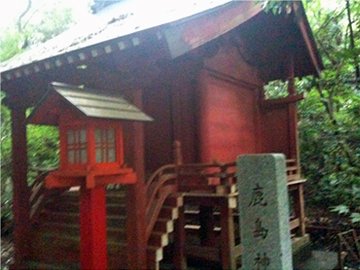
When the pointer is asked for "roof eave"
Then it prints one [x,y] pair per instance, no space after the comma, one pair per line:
[308,37]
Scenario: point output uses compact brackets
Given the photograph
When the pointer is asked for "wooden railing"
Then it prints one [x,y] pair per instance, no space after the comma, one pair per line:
[206,176]
[160,185]
[295,186]
[292,170]
[39,194]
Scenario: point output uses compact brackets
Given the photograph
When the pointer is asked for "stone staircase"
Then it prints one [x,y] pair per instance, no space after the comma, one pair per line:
[56,239]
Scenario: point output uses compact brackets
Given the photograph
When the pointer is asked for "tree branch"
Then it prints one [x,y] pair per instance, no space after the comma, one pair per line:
[352,43]
[20,27]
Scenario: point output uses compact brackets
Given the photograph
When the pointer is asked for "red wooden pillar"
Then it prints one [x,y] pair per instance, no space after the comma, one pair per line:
[136,198]
[21,192]
[93,245]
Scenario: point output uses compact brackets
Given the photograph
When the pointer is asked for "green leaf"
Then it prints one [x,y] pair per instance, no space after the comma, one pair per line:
[355,217]
[341,209]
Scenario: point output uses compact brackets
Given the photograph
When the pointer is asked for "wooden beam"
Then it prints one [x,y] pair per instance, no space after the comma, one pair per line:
[268,103]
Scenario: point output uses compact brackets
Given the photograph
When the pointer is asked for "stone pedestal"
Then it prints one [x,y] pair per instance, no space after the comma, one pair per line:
[264,212]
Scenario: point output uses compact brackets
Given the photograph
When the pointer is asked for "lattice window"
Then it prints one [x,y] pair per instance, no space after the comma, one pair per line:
[105,145]
[76,146]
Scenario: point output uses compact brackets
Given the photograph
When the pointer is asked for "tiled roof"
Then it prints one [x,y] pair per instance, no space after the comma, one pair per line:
[115,21]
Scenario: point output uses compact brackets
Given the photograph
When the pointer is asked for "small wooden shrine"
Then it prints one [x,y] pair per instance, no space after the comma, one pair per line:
[91,156]
[91,135]
[199,72]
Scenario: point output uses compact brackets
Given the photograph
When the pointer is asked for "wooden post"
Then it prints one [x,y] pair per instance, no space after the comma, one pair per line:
[299,208]
[228,259]
[136,198]
[292,111]
[93,243]
[21,191]
[179,245]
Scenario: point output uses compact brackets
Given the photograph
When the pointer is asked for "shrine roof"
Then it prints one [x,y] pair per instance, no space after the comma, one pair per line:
[117,20]
[89,102]
[181,26]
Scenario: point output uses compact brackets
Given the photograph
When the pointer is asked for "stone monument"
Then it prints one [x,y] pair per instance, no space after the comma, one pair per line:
[264,212]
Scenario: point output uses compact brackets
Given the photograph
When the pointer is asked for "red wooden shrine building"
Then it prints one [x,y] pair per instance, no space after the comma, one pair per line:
[199,72]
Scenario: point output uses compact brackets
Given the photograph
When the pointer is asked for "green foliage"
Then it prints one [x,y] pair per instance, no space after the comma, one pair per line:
[329,117]
[42,21]
[355,217]
[55,20]
[43,152]
[276,7]
[11,43]
[6,188]
[43,146]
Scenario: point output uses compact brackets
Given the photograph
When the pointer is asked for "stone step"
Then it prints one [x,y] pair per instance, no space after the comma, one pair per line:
[74,218]
[154,253]
[33,265]
[164,225]
[53,248]
[111,197]
[174,201]
[169,212]
[74,230]
[158,239]
[73,207]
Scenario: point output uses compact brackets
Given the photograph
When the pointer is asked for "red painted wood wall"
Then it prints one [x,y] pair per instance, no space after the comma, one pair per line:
[275,130]
[158,134]
[228,108]
[218,117]
[171,101]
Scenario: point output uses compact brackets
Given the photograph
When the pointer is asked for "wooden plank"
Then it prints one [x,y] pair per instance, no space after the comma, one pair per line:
[297,182]
[272,103]
[293,177]
[208,200]
[294,223]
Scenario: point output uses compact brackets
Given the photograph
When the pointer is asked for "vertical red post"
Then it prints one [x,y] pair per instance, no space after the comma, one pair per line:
[136,198]
[20,187]
[93,244]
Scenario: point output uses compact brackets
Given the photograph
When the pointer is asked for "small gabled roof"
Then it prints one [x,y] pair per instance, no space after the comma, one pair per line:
[88,102]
